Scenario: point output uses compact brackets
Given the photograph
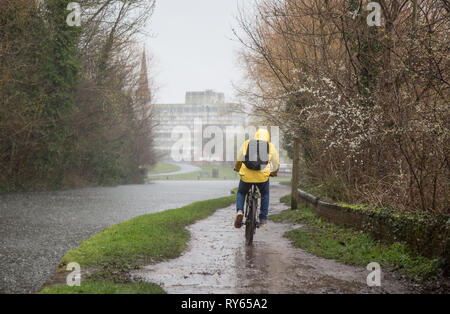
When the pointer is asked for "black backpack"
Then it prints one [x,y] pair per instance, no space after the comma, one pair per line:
[257,156]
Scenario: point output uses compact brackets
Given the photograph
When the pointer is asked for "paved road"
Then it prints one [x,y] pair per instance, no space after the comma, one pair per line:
[37,229]
[184,168]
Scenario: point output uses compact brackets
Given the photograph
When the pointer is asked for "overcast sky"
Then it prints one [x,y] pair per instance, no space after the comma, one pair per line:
[193,47]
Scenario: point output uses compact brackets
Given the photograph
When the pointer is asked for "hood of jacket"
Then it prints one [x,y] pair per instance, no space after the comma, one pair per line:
[262,135]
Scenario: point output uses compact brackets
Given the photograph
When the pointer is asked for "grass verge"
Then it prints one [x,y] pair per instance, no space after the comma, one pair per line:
[144,240]
[285,182]
[225,173]
[162,167]
[327,240]
[105,287]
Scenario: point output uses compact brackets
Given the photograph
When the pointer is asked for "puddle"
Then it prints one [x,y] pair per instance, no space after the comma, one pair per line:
[218,261]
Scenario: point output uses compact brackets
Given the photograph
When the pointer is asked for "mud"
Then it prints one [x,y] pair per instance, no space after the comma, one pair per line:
[218,261]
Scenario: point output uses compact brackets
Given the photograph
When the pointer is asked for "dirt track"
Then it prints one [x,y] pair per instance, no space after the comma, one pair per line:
[218,261]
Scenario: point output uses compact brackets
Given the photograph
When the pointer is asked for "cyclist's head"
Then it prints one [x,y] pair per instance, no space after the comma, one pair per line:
[262,135]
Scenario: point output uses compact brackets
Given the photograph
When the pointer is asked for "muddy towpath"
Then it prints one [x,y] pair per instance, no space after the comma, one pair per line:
[218,261]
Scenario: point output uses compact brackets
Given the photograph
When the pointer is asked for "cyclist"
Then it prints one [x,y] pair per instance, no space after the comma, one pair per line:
[253,163]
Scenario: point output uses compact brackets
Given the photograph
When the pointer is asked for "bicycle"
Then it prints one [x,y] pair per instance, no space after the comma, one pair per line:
[251,214]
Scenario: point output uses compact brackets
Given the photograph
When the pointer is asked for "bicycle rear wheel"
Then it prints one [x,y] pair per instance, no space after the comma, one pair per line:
[250,224]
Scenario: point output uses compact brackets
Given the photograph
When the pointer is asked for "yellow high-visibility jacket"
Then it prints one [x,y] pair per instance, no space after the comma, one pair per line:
[257,176]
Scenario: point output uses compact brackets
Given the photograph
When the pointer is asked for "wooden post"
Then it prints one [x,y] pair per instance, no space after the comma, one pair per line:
[414,16]
[295,170]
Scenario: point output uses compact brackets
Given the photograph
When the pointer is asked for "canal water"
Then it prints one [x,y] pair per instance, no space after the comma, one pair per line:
[37,229]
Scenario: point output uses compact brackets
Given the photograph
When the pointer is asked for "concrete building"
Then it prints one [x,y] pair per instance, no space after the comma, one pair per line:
[208,106]
[207,97]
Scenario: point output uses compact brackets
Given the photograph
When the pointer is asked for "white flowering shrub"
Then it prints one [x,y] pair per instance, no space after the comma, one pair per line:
[370,105]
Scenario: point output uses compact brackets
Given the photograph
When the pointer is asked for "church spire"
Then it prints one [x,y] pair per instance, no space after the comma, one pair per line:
[143,86]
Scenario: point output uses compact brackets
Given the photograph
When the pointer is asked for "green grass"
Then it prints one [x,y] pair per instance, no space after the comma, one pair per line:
[327,240]
[106,287]
[143,240]
[225,173]
[162,167]
[332,191]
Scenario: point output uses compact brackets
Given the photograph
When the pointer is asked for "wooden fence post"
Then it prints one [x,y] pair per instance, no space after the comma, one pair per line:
[295,170]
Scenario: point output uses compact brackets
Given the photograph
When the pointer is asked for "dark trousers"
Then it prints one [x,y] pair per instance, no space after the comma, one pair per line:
[243,189]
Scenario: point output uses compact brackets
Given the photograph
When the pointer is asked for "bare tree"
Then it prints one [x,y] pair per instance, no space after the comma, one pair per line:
[369,105]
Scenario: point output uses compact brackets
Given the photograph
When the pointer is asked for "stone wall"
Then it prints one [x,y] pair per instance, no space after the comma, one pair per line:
[425,233]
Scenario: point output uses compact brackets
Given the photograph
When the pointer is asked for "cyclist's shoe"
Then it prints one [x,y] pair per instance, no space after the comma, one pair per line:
[262,223]
[238,220]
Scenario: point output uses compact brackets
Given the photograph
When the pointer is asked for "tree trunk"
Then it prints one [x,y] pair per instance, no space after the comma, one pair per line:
[295,169]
